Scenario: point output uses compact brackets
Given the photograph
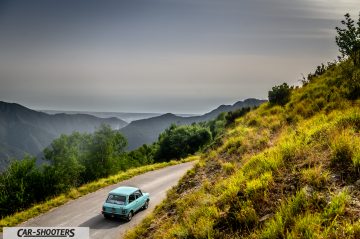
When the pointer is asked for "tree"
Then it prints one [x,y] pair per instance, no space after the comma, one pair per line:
[179,141]
[16,185]
[217,125]
[65,154]
[105,153]
[141,156]
[348,39]
[280,95]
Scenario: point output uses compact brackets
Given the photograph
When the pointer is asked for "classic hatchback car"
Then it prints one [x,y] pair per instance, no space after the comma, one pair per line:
[124,202]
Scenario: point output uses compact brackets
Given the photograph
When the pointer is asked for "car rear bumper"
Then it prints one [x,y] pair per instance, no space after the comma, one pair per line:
[112,214]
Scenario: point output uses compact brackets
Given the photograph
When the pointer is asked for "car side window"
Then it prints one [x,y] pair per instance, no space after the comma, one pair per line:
[138,194]
[131,198]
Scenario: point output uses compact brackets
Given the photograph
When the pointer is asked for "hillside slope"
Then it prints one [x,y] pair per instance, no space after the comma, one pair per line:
[280,172]
[23,130]
[146,131]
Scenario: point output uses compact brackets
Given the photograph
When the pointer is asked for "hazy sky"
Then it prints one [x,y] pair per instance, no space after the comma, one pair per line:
[181,56]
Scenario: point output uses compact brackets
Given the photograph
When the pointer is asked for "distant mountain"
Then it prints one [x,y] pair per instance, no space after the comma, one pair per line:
[23,130]
[146,131]
[128,117]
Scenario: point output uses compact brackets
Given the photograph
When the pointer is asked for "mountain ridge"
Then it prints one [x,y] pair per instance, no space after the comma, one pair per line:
[146,131]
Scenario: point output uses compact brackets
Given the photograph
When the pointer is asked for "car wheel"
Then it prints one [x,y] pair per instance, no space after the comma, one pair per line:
[130,216]
[146,205]
[106,216]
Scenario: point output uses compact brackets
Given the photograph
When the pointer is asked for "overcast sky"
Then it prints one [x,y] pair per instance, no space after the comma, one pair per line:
[180,56]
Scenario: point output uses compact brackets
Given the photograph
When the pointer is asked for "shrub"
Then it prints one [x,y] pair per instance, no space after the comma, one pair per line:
[280,95]
[17,186]
[232,115]
[353,85]
[180,141]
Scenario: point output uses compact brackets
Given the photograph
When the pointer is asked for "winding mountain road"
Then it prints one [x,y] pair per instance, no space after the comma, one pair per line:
[86,211]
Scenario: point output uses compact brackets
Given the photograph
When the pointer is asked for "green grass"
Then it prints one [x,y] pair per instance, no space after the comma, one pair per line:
[74,193]
[285,217]
[336,206]
[315,176]
[258,185]
[345,148]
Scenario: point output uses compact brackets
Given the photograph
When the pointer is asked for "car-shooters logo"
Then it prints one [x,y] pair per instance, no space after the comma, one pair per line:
[46,232]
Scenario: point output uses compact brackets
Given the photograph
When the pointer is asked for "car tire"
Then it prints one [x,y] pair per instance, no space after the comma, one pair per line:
[146,205]
[106,216]
[129,216]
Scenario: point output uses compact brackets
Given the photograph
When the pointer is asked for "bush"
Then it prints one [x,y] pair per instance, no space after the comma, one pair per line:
[20,185]
[217,126]
[280,95]
[179,141]
[353,85]
[232,115]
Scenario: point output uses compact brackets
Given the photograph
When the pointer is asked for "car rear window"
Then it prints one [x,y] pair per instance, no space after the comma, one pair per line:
[116,199]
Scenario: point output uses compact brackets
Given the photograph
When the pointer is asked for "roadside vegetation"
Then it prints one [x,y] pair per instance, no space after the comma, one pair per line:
[288,169]
[42,207]
[72,161]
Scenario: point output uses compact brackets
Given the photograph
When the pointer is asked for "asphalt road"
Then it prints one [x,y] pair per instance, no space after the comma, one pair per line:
[86,211]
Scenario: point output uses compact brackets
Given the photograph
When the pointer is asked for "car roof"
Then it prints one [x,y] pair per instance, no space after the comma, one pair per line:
[124,190]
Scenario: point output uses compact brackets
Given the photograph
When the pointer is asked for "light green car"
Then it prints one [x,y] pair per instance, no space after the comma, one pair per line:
[124,202]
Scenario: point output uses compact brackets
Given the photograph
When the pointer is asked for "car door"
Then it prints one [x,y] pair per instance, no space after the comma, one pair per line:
[139,199]
[132,202]
[142,198]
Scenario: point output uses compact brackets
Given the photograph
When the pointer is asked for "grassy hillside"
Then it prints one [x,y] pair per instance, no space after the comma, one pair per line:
[280,171]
